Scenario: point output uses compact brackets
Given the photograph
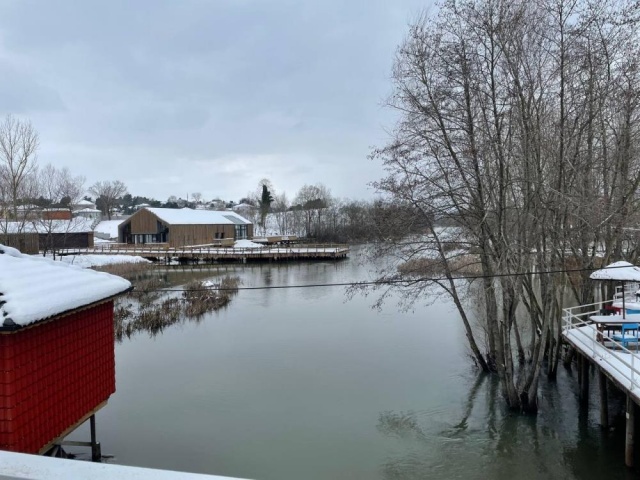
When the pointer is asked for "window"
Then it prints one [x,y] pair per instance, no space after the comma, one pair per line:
[241,232]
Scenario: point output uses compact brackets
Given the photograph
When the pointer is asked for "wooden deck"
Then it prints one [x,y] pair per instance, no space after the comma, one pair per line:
[616,365]
[219,254]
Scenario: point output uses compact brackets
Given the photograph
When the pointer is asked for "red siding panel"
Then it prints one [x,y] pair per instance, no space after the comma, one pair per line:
[52,375]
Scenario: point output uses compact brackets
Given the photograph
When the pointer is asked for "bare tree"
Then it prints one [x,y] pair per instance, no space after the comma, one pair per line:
[18,146]
[312,200]
[280,209]
[60,189]
[107,193]
[516,150]
[197,198]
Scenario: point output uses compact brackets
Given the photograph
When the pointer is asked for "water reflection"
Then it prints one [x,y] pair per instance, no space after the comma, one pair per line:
[487,441]
[291,383]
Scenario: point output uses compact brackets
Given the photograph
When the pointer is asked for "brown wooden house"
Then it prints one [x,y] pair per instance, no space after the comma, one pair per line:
[179,227]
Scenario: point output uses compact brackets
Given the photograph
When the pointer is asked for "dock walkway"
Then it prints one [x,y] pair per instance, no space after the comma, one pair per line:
[615,364]
[220,254]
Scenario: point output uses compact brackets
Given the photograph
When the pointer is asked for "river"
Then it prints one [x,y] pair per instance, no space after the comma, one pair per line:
[303,384]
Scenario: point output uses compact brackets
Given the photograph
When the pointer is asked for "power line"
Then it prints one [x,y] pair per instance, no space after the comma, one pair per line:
[389,282]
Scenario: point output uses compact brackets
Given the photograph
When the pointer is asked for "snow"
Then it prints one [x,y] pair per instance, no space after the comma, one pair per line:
[87,210]
[620,271]
[187,216]
[35,288]
[75,225]
[88,261]
[108,227]
[23,466]
[247,244]
[619,364]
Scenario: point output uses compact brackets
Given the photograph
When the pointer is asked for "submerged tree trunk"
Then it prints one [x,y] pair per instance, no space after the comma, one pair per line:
[517,140]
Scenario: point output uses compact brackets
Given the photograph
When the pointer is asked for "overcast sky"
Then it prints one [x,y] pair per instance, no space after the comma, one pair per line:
[210,96]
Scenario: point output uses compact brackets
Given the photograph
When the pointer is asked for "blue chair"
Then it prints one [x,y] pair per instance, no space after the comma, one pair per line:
[624,338]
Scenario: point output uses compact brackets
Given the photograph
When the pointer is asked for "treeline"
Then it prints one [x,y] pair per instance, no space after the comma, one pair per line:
[519,124]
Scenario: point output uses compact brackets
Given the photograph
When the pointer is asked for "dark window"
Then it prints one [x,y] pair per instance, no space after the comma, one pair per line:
[241,232]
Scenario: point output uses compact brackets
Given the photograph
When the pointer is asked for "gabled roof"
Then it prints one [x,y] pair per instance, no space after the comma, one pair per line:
[36,288]
[187,216]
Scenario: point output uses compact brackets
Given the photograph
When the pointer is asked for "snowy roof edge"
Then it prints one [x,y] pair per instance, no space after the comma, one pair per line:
[60,290]
[12,327]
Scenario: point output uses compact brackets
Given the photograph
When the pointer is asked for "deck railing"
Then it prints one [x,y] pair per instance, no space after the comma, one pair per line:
[164,250]
[572,321]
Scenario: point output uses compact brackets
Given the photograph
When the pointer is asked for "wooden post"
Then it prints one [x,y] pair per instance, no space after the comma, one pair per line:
[96,453]
[629,438]
[604,401]
[584,385]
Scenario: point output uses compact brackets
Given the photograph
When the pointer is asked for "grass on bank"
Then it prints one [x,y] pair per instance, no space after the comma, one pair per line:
[148,308]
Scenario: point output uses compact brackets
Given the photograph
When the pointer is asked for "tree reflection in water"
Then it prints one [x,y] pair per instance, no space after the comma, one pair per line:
[485,440]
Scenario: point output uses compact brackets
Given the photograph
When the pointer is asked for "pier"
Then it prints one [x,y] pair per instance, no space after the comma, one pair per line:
[206,253]
[616,365]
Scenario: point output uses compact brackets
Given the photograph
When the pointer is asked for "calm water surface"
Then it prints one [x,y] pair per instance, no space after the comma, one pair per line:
[302,384]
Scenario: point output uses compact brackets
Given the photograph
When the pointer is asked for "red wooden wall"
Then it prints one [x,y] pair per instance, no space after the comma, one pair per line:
[52,375]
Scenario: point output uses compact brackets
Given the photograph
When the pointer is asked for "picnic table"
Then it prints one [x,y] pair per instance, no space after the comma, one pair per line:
[612,322]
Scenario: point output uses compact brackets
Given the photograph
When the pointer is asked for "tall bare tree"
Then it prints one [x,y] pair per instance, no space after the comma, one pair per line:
[18,160]
[516,150]
[106,193]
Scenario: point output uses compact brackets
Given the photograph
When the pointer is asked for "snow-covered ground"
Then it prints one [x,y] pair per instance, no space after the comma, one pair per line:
[88,261]
[108,227]
[247,244]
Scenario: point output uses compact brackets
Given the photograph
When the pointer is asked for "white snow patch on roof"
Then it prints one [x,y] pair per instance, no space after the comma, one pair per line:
[35,288]
[75,225]
[621,271]
[108,227]
[187,216]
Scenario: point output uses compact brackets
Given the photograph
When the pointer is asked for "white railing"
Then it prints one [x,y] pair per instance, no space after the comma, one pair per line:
[164,250]
[630,289]
[590,337]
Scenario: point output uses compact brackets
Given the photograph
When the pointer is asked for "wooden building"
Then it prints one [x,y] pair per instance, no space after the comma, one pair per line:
[26,242]
[56,339]
[183,227]
[40,235]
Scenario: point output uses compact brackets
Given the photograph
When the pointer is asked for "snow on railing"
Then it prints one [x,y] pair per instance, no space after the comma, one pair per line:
[164,250]
[573,322]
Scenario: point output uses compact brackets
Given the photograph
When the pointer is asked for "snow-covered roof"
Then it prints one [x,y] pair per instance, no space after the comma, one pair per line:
[620,271]
[36,288]
[242,206]
[187,216]
[88,210]
[75,225]
[85,203]
[108,227]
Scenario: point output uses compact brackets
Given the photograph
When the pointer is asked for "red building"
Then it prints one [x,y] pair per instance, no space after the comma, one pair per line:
[57,365]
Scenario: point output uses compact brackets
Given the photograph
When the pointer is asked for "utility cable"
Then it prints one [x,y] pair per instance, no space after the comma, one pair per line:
[389,282]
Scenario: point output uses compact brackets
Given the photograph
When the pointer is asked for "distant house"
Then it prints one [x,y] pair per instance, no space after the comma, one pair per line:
[82,204]
[91,213]
[56,214]
[178,227]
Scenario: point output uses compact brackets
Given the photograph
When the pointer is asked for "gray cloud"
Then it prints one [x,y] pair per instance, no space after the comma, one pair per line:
[174,97]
